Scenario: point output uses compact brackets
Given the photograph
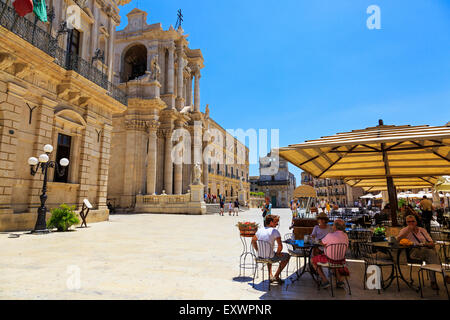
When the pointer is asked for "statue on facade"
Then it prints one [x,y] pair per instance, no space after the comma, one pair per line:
[207,112]
[241,185]
[197,173]
[155,69]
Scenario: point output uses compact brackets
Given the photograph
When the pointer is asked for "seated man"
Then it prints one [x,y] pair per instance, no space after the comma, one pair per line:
[270,234]
[427,253]
[337,236]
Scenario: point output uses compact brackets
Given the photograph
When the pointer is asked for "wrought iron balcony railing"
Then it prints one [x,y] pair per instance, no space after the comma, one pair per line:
[41,39]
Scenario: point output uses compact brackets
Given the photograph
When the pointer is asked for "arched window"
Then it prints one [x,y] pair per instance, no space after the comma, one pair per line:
[134,62]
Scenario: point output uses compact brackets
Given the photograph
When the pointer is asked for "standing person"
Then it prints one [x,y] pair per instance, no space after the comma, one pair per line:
[267,208]
[230,208]
[323,205]
[270,234]
[427,212]
[236,207]
[222,203]
[328,207]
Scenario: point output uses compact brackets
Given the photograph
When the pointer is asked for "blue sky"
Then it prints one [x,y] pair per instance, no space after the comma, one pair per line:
[313,68]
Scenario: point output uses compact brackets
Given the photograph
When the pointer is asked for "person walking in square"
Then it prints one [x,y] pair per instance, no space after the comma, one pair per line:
[230,208]
[222,204]
[236,207]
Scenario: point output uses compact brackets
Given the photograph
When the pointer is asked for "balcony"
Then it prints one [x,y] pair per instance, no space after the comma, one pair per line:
[44,41]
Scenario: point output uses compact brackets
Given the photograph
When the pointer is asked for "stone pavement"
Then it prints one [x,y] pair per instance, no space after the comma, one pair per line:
[146,256]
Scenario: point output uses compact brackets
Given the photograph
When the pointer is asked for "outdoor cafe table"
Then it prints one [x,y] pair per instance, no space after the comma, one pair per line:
[307,251]
[399,248]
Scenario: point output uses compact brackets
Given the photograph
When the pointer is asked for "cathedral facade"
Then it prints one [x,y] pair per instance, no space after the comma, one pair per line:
[163,133]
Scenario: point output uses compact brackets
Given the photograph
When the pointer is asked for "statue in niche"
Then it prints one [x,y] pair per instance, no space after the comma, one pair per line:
[241,185]
[146,77]
[155,69]
[197,173]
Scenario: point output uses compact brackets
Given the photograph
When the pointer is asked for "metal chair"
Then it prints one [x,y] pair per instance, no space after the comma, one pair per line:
[337,251]
[297,253]
[371,257]
[442,268]
[265,250]
[437,235]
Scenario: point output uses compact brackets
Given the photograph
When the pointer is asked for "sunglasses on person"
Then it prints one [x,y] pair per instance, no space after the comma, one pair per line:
[411,221]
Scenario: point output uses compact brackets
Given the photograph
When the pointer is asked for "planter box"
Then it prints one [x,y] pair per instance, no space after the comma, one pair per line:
[378,239]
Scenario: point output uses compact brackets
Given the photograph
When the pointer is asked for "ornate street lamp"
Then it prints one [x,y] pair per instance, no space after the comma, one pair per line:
[44,163]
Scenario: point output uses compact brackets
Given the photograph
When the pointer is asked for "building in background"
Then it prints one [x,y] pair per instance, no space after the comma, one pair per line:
[275,180]
[333,190]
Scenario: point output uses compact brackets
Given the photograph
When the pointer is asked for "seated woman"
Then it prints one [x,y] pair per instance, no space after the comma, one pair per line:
[320,231]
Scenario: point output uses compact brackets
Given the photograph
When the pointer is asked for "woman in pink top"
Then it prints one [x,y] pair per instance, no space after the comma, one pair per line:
[338,236]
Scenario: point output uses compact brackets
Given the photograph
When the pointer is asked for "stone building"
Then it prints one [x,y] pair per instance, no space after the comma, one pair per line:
[333,190]
[56,88]
[163,133]
[275,180]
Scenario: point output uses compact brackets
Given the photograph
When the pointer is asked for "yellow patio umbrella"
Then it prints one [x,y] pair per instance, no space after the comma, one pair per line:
[382,152]
[305,191]
[380,184]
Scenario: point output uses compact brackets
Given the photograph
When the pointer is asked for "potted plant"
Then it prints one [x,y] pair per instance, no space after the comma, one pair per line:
[62,218]
[247,229]
[379,234]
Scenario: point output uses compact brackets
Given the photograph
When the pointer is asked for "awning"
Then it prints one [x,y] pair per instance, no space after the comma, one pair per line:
[382,152]
[419,151]
[380,184]
[305,191]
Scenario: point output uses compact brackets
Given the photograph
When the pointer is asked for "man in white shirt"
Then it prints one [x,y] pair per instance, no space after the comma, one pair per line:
[270,234]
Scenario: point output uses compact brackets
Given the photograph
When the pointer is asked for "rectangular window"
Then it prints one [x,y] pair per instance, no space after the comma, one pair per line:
[75,43]
[63,151]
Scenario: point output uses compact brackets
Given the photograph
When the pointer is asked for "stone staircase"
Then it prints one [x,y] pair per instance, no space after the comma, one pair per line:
[213,208]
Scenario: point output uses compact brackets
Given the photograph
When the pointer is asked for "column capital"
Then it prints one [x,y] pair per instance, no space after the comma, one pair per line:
[153,125]
[170,47]
[167,133]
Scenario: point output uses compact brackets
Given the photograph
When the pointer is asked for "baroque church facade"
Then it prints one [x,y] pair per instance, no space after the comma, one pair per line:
[163,134]
[74,89]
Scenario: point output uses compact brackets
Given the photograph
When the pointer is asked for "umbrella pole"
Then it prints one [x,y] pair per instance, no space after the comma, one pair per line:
[393,203]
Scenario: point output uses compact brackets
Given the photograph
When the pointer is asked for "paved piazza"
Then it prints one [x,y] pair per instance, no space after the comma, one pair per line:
[146,256]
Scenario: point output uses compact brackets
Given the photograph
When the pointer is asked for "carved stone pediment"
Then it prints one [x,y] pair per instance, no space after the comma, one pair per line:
[69,118]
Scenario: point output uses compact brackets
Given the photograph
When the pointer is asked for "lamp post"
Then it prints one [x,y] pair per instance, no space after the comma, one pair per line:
[44,163]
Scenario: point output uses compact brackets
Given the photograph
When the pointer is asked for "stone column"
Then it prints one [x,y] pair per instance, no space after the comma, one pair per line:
[189,91]
[178,177]
[12,109]
[94,33]
[180,78]
[178,165]
[205,167]
[151,157]
[171,70]
[112,32]
[85,176]
[197,91]
[103,167]
[168,164]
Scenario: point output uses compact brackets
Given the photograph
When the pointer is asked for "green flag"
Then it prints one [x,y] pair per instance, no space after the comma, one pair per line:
[40,10]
